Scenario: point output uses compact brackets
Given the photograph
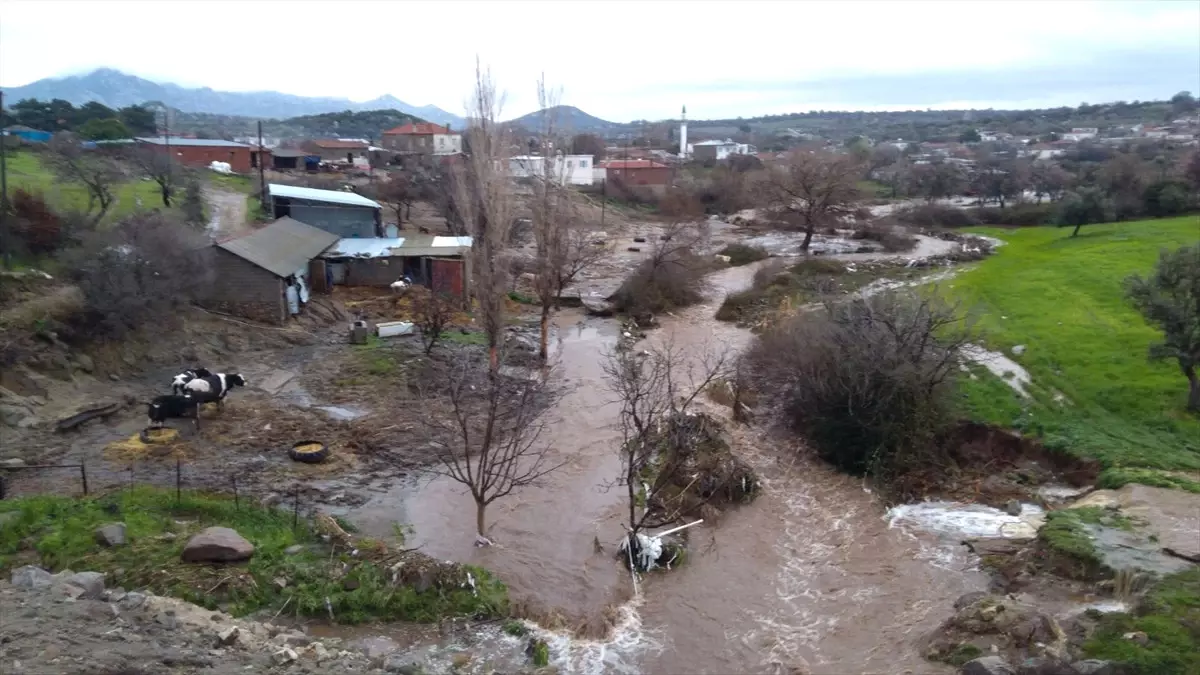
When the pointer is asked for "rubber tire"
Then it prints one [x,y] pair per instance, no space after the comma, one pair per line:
[312,457]
[144,435]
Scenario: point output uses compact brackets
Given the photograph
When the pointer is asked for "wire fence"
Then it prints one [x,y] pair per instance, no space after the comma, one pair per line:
[84,480]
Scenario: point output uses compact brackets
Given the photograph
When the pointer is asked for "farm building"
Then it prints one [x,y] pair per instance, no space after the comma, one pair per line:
[345,214]
[27,134]
[250,271]
[287,159]
[436,262]
[202,151]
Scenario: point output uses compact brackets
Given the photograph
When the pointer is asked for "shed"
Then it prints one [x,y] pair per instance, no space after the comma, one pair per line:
[432,261]
[251,270]
[27,134]
[287,159]
[345,214]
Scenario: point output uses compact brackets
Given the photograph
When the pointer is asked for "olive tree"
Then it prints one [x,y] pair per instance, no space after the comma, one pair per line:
[1169,299]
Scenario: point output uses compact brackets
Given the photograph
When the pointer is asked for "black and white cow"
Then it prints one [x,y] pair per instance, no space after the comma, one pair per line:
[177,384]
[214,387]
[172,406]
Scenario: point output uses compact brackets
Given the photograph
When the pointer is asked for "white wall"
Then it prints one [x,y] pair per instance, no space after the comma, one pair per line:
[569,169]
[447,144]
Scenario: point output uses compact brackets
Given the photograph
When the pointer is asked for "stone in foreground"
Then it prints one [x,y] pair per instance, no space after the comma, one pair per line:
[217,544]
[112,534]
[988,665]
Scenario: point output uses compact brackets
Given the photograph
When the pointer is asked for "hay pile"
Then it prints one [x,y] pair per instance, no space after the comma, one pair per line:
[696,469]
[165,444]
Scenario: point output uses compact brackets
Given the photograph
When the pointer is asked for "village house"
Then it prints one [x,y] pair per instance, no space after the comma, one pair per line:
[202,151]
[251,272]
[343,214]
[341,150]
[638,175]
[436,262]
[567,169]
[718,150]
[1081,134]
[423,138]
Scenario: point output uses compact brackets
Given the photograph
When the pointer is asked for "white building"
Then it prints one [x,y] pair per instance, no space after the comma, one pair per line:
[718,150]
[1081,134]
[568,169]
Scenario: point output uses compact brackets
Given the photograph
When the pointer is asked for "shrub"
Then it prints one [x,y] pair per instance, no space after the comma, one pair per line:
[37,229]
[138,272]
[1022,215]
[889,233]
[867,382]
[936,215]
[744,254]
[1166,198]
[673,275]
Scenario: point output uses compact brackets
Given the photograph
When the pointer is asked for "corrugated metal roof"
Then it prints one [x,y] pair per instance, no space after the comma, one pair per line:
[288,152]
[192,142]
[384,247]
[283,247]
[378,247]
[315,195]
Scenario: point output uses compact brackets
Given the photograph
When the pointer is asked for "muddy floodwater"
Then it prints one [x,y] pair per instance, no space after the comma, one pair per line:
[813,574]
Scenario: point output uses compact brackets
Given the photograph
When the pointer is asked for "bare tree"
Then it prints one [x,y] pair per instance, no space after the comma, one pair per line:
[578,253]
[1048,179]
[399,192]
[549,208]
[432,312]
[814,189]
[936,180]
[158,167]
[98,174]
[482,196]
[652,387]
[486,430]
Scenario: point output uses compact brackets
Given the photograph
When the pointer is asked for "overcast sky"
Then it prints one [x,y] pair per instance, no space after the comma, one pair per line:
[623,60]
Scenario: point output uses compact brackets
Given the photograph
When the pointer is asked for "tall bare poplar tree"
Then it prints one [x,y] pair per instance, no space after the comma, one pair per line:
[482,195]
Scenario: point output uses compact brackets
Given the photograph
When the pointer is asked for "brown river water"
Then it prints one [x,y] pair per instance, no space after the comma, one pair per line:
[810,576]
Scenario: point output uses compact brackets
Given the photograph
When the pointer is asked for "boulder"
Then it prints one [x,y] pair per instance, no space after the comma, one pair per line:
[112,534]
[378,647]
[132,600]
[12,462]
[31,576]
[228,636]
[284,656]
[1041,665]
[217,544]
[85,362]
[13,415]
[401,664]
[92,583]
[1018,350]
[988,665]
[1012,507]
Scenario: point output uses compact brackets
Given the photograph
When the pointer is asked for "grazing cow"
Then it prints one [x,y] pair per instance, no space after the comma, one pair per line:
[177,384]
[214,387]
[163,408]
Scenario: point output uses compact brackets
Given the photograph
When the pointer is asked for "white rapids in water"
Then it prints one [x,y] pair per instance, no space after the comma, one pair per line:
[958,519]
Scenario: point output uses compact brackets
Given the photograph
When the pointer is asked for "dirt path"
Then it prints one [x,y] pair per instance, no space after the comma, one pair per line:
[227,213]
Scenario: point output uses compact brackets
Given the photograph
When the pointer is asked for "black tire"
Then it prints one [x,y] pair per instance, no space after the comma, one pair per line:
[145,437]
[309,456]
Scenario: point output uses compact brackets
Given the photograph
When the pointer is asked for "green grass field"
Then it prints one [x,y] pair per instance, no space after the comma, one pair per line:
[57,533]
[1062,298]
[26,172]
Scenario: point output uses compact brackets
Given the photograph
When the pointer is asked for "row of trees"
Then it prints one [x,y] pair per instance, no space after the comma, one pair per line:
[92,120]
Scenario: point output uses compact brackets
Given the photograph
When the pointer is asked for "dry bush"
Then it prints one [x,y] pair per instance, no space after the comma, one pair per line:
[139,272]
[744,254]
[673,276]
[888,233]
[36,229]
[812,277]
[432,313]
[867,382]
[936,215]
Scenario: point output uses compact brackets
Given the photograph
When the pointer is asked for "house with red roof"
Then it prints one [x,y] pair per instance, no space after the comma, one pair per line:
[638,175]
[422,138]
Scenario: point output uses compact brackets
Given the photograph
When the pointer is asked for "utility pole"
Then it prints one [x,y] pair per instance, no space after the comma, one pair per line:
[262,183]
[5,238]
[167,147]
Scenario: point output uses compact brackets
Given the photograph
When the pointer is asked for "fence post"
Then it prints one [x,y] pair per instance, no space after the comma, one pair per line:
[131,477]
[178,480]
[237,502]
[83,476]
[295,509]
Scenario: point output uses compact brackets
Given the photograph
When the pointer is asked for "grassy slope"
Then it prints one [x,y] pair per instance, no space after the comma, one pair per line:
[1061,296]
[26,171]
[57,533]
[1170,618]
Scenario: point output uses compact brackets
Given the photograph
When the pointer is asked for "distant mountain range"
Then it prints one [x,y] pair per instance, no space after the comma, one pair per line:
[566,118]
[116,90]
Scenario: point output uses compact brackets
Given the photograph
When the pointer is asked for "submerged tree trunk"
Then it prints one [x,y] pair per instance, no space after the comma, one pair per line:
[480,512]
[544,344]
[808,235]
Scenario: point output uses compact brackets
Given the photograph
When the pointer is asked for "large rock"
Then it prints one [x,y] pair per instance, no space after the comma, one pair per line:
[112,534]
[988,665]
[31,576]
[217,544]
[92,583]
[1041,665]
[1096,667]
[18,416]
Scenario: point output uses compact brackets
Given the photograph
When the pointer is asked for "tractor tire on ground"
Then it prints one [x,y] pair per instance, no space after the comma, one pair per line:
[152,435]
[309,452]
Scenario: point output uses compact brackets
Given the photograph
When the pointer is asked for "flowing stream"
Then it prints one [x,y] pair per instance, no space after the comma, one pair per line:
[812,575]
